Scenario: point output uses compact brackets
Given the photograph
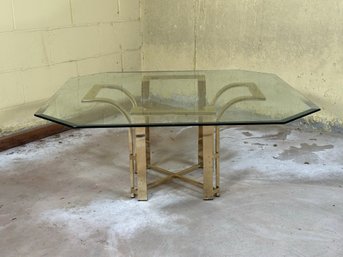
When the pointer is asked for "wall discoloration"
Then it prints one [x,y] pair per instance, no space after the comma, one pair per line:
[295,39]
[304,154]
[164,24]
[168,34]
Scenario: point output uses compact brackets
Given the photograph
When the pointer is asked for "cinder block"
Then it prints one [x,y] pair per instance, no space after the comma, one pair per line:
[82,42]
[94,11]
[109,38]
[21,50]
[129,9]
[73,44]
[168,57]
[130,35]
[6,19]
[42,83]
[132,60]
[33,14]
[11,91]
[108,63]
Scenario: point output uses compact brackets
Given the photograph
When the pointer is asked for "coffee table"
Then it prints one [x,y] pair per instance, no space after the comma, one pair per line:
[206,99]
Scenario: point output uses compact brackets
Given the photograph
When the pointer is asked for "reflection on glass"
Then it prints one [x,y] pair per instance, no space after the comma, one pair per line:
[175,98]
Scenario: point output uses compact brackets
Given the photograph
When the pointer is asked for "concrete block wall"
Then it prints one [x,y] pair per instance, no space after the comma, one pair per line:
[301,41]
[45,42]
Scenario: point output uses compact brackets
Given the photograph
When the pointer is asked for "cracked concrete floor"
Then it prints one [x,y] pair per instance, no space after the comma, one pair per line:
[68,195]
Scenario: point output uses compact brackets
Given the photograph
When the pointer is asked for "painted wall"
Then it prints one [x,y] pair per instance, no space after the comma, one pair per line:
[301,41]
[45,42]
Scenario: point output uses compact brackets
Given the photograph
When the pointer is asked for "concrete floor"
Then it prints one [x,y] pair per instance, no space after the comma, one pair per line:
[68,195]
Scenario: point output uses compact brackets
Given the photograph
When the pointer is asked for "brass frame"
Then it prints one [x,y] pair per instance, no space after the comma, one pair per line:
[208,161]
[91,97]
[204,109]
[208,136]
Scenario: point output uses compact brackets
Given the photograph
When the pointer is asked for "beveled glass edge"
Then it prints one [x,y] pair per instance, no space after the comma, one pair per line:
[58,121]
[170,71]
[270,122]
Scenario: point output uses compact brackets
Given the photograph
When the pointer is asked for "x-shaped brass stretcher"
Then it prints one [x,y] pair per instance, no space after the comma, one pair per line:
[208,161]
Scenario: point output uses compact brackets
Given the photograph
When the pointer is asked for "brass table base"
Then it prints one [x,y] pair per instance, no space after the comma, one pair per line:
[208,161]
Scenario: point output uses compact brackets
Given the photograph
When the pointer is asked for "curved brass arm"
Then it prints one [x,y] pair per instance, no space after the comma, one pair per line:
[91,96]
[92,93]
[256,94]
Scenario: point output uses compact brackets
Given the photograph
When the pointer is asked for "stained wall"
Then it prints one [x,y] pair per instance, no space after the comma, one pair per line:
[44,43]
[301,41]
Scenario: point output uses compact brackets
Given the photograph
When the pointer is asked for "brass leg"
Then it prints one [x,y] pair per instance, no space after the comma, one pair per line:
[217,162]
[142,191]
[209,161]
[208,143]
[200,147]
[147,140]
[132,161]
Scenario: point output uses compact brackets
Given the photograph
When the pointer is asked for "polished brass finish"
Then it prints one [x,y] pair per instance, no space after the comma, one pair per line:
[207,110]
[145,109]
[204,110]
[200,147]
[175,103]
[147,143]
[91,96]
[208,136]
[132,160]
[208,161]
[141,162]
[256,94]
[94,91]
[217,161]
[208,143]
[171,175]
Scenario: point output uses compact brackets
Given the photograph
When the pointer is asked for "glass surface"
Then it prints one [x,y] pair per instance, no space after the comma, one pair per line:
[126,99]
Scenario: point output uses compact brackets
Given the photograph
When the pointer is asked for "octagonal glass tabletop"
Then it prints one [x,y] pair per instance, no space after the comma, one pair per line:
[180,98]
